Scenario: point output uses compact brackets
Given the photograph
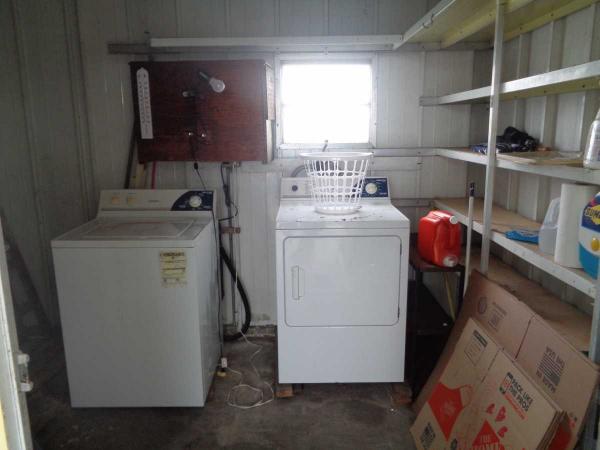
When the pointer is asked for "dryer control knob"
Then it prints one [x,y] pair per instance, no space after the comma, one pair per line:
[195,201]
[371,188]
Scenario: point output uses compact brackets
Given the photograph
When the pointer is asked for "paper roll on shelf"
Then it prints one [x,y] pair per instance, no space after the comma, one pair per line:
[573,198]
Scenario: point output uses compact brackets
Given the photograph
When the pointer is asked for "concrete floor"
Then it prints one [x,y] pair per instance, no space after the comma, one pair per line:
[344,416]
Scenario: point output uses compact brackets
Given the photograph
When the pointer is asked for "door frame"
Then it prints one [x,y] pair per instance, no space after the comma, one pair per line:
[17,434]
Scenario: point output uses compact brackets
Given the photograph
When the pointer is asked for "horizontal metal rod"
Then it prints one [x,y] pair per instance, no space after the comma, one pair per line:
[140,48]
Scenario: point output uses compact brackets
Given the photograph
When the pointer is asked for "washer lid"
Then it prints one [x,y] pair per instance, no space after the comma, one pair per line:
[134,229]
[138,229]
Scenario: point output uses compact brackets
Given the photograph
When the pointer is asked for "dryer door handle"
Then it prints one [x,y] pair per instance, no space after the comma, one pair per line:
[297,282]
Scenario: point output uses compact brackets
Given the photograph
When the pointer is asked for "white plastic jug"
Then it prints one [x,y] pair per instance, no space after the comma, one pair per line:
[547,237]
[591,158]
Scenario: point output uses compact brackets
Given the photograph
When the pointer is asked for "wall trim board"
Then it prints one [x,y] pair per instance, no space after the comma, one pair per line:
[47,303]
[80,107]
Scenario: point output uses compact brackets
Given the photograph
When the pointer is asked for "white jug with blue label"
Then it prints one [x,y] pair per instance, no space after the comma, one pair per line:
[589,237]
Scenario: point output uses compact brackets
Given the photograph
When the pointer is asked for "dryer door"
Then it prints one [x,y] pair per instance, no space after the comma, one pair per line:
[342,280]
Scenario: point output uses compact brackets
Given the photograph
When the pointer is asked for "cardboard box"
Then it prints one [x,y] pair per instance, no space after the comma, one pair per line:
[508,411]
[445,409]
[569,322]
[572,323]
[564,374]
[501,315]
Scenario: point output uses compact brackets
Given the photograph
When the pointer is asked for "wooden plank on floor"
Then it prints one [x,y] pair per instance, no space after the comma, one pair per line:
[401,394]
[284,390]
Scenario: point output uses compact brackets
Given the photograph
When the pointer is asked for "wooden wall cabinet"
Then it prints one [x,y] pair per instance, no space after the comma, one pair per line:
[191,122]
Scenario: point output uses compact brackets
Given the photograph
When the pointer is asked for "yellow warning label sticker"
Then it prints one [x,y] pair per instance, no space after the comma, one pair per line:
[173,268]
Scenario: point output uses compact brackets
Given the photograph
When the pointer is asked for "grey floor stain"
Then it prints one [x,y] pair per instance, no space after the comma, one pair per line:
[323,416]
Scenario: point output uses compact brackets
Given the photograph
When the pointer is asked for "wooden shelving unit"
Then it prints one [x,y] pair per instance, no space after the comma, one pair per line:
[570,79]
[452,21]
[578,174]
[504,220]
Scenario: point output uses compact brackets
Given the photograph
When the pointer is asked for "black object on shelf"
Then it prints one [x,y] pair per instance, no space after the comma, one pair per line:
[428,325]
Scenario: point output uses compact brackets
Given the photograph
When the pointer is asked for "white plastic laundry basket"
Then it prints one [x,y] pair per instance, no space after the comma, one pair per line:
[337,179]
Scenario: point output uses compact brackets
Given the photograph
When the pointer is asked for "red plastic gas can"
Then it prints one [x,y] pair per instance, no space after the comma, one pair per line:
[440,238]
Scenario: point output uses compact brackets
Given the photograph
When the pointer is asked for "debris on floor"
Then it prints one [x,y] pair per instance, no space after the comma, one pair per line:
[323,416]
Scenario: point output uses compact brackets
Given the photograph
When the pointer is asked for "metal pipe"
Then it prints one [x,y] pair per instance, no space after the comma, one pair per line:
[492,132]
[469,235]
[589,434]
[233,279]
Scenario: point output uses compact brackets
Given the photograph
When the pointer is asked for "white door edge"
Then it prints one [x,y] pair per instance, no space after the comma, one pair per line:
[12,398]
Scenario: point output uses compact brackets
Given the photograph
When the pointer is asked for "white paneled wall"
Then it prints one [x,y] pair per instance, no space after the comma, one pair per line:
[45,175]
[559,121]
[68,113]
[18,192]
[402,78]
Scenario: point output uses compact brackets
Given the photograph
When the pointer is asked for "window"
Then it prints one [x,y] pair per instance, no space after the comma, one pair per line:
[325,101]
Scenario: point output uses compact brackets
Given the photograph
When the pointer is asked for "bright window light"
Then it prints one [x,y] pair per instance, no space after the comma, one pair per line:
[326,102]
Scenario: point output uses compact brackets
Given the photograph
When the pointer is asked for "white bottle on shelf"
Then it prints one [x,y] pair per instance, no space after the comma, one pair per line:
[547,236]
[591,159]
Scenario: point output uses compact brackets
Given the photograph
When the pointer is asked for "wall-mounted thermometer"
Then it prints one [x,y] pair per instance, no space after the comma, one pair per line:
[143,91]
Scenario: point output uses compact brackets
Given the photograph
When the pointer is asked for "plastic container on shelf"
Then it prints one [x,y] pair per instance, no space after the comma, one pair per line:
[439,239]
[547,236]
[591,158]
[337,180]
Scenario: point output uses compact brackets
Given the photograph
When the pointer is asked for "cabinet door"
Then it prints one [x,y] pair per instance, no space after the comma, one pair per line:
[342,280]
[191,122]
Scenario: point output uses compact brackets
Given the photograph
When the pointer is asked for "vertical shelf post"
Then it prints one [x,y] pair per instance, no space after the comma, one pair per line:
[589,440]
[492,132]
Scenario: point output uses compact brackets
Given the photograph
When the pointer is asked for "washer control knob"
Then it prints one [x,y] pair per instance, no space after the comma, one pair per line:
[371,188]
[195,201]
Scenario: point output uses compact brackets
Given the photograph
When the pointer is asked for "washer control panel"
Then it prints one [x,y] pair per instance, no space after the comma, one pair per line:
[194,201]
[155,200]
[375,187]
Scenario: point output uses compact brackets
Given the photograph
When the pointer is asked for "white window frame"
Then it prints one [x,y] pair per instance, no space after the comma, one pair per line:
[282,59]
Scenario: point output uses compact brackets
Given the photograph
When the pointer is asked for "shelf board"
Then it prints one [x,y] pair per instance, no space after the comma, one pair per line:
[570,173]
[570,79]
[504,220]
[452,21]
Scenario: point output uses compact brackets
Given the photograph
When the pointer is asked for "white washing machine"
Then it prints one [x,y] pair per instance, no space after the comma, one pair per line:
[138,296]
[341,288]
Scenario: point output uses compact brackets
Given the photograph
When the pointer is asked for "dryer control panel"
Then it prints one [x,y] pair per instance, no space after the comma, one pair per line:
[373,187]
[156,200]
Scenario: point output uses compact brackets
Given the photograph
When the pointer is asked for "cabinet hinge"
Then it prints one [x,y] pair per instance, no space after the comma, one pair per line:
[25,384]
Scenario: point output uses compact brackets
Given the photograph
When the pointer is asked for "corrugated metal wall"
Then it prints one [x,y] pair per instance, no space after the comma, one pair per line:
[402,78]
[74,115]
[44,178]
[68,110]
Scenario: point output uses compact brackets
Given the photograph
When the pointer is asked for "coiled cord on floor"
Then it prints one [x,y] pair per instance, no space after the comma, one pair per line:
[240,287]
[261,400]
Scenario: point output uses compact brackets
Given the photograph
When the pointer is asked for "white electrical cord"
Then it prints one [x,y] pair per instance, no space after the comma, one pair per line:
[261,401]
